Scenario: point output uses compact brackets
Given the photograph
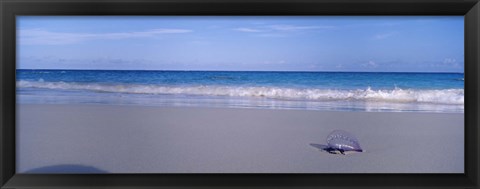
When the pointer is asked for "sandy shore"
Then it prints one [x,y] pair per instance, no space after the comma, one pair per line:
[138,139]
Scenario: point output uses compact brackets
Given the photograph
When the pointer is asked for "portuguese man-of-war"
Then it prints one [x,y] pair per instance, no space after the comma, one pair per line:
[340,142]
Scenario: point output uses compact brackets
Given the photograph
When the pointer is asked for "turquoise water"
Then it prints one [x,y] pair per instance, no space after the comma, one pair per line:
[344,91]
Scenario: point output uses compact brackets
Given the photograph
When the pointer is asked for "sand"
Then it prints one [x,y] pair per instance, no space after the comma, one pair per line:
[139,139]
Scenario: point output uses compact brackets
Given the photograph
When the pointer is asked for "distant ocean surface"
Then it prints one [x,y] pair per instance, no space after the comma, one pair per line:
[332,91]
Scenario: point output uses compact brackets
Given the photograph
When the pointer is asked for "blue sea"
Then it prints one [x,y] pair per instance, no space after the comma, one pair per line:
[330,91]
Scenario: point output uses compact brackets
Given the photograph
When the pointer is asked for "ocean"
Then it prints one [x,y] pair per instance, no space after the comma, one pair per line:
[330,91]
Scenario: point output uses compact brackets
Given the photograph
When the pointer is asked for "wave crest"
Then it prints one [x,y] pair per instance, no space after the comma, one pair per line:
[443,96]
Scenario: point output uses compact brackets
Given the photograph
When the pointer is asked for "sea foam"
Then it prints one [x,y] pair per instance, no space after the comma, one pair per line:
[398,95]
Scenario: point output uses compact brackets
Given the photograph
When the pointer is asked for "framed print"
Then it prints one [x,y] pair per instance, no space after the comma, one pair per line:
[239,94]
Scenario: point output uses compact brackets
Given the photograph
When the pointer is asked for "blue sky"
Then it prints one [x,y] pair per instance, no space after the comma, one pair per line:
[254,43]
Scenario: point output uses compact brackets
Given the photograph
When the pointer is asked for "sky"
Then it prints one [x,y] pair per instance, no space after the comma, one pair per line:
[242,43]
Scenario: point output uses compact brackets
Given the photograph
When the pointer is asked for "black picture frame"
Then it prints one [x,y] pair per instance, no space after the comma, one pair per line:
[9,9]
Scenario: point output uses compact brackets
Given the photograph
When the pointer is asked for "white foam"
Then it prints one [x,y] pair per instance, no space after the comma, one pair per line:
[443,96]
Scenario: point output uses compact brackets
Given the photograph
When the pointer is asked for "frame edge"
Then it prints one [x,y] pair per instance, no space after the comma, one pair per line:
[472,51]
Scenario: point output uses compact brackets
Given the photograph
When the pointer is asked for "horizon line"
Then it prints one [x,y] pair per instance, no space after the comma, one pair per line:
[237,70]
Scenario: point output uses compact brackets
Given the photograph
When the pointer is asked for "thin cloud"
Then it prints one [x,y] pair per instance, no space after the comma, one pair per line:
[44,37]
[277,62]
[273,30]
[271,35]
[370,64]
[384,35]
[247,30]
[451,62]
[297,28]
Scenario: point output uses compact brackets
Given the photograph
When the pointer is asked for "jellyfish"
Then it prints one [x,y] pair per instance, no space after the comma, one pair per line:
[340,142]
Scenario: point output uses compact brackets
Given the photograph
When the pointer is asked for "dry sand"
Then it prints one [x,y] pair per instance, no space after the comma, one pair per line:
[139,139]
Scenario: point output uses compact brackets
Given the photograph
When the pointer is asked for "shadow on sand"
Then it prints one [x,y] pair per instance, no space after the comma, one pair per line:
[326,148]
[66,168]
[321,147]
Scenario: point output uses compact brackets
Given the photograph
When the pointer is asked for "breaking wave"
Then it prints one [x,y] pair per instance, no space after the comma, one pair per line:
[441,96]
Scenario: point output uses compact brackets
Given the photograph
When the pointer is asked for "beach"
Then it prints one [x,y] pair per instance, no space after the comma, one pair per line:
[159,139]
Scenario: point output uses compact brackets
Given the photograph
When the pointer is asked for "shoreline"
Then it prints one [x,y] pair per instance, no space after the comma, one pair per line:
[248,108]
[65,97]
[151,139]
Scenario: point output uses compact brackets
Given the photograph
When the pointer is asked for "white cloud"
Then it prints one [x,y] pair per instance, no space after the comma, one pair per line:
[278,62]
[44,37]
[297,28]
[451,62]
[371,64]
[105,62]
[384,35]
[274,30]
[247,30]
[271,35]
